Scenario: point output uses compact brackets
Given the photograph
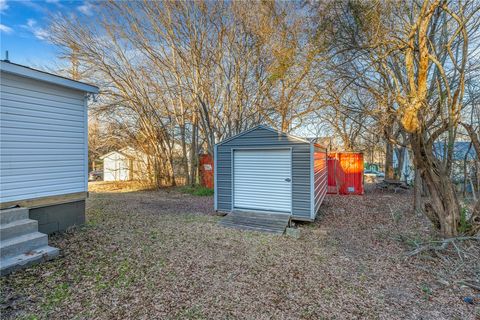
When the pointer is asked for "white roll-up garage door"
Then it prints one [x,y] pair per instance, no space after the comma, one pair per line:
[262,180]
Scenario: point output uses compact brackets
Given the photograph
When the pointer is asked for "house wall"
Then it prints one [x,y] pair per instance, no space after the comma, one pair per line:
[263,138]
[43,137]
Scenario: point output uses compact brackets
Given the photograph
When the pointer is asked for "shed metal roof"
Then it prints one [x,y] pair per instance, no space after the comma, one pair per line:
[261,126]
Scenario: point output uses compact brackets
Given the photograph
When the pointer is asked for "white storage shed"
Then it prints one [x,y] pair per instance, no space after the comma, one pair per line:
[124,165]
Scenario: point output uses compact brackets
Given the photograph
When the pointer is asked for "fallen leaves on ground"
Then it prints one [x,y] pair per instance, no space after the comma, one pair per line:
[161,255]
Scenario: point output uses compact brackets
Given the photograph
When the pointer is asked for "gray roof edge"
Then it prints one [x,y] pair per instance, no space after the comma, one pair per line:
[115,151]
[262,126]
[27,72]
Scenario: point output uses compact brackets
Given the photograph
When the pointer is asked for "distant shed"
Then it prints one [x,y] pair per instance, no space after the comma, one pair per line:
[124,165]
[265,170]
[44,145]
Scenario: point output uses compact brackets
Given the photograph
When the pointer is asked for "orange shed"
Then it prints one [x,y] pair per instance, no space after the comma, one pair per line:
[345,173]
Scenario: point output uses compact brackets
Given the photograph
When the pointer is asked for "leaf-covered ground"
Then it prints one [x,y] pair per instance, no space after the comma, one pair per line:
[161,255]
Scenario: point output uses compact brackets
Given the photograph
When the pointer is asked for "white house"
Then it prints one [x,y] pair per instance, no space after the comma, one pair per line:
[43,158]
[124,165]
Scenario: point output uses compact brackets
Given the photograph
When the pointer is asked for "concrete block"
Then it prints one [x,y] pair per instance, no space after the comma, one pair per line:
[293,232]
[58,218]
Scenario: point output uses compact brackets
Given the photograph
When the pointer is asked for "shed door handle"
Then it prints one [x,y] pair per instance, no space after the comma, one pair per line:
[288,179]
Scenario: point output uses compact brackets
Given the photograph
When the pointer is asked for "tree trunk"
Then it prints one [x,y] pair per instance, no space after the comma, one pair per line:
[400,152]
[417,194]
[184,154]
[157,172]
[442,207]
[284,126]
[193,152]
[173,182]
[389,172]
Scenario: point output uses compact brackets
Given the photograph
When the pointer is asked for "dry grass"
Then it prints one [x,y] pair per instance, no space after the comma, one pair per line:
[161,254]
[117,186]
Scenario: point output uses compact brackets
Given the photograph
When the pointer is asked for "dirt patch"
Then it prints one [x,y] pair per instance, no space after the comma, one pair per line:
[161,254]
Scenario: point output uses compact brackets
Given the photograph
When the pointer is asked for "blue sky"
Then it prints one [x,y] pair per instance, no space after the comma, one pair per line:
[24,27]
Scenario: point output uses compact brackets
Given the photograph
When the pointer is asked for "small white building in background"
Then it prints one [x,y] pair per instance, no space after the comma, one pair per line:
[124,165]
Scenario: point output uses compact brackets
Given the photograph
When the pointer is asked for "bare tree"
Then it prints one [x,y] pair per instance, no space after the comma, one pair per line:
[182,73]
[416,56]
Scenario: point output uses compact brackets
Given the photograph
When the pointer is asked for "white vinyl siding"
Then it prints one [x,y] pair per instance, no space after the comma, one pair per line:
[43,139]
[262,180]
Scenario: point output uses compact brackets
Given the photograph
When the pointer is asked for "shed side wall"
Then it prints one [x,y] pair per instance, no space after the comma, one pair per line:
[320,180]
[42,137]
[263,138]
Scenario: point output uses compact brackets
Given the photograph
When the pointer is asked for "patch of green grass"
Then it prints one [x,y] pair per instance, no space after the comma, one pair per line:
[29,317]
[153,234]
[427,292]
[192,313]
[125,277]
[58,295]
[197,190]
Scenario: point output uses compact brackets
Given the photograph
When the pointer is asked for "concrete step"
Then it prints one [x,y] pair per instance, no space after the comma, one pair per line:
[17,228]
[23,260]
[22,244]
[262,222]
[14,214]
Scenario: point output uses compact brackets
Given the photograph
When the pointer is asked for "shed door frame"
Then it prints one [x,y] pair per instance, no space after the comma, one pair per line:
[232,155]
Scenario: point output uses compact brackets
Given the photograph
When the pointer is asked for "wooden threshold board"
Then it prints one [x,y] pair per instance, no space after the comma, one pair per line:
[254,221]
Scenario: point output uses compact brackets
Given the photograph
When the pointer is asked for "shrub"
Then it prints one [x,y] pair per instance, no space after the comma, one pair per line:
[197,190]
